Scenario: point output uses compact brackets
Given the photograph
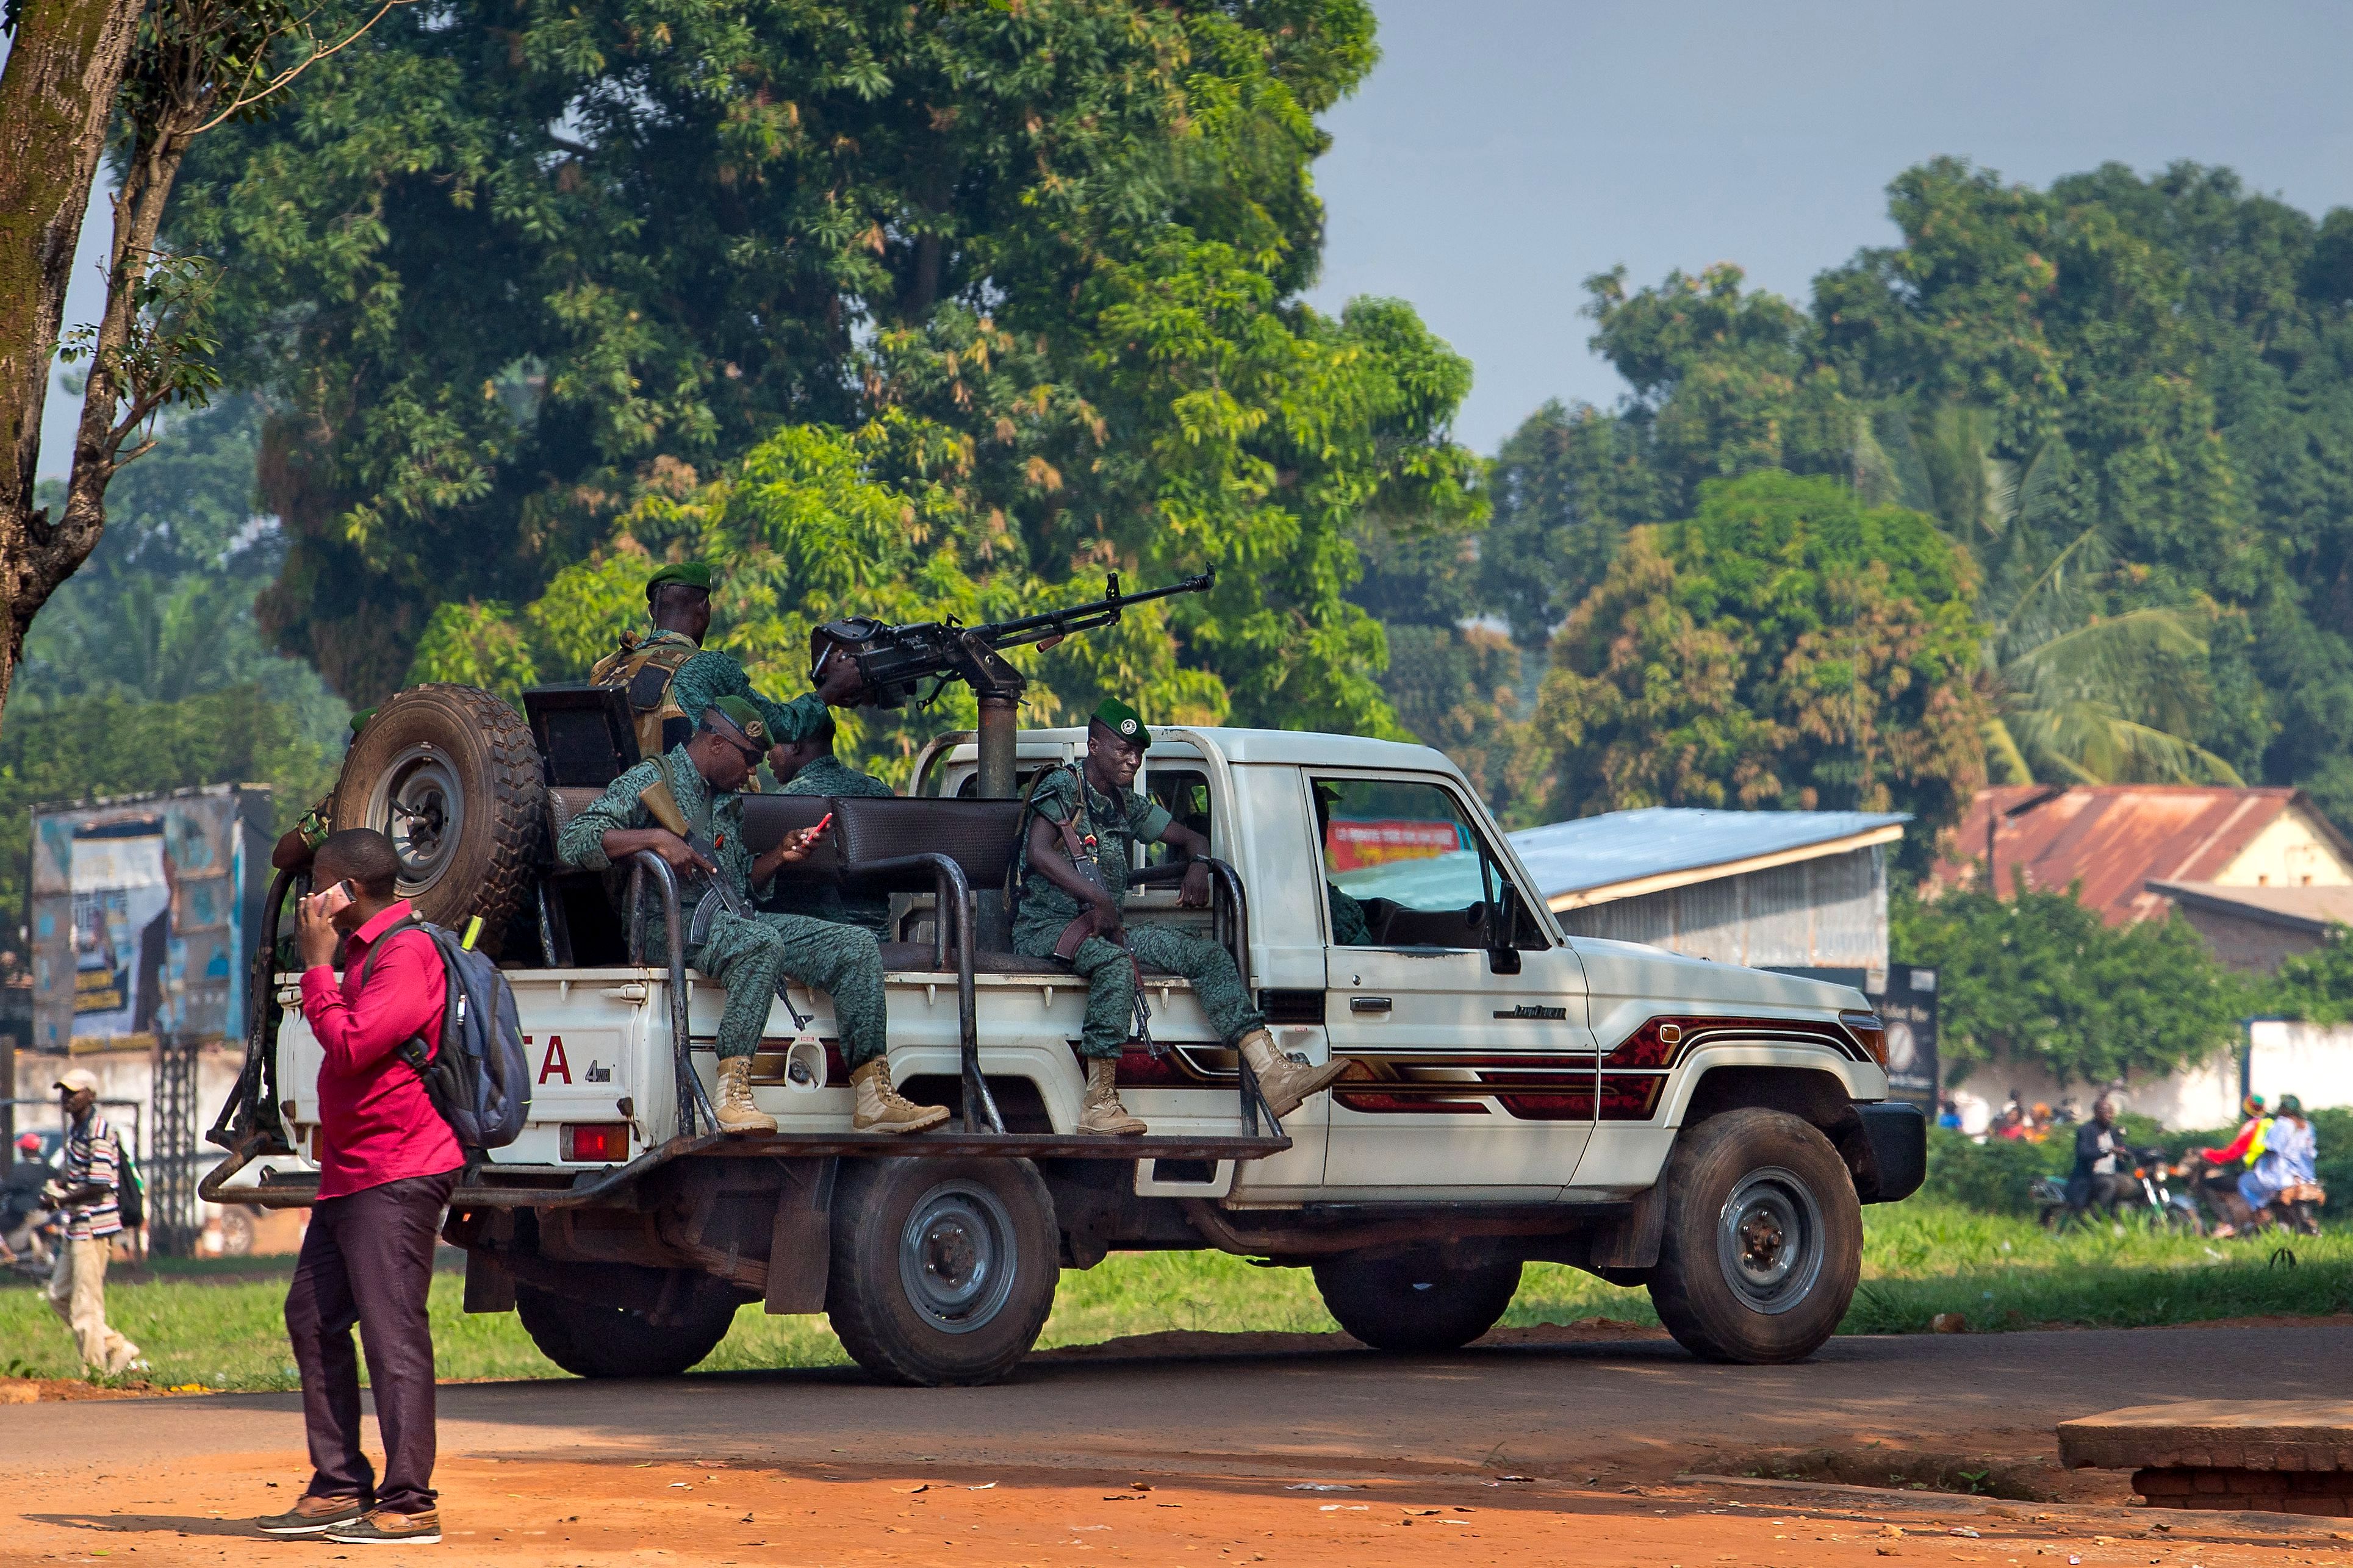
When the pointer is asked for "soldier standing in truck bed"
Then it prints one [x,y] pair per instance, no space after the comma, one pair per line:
[672,679]
[808,766]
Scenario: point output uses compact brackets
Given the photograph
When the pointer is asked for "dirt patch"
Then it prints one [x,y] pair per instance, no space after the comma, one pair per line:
[2012,1479]
[44,1390]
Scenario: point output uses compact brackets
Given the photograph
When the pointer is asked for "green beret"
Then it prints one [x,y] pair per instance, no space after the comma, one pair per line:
[1123,720]
[693,573]
[360,720]
[746,717]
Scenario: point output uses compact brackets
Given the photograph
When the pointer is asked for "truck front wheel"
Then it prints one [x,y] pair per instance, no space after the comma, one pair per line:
[943,1270]
[590,1339]
[1763,1241]
[1416,1302]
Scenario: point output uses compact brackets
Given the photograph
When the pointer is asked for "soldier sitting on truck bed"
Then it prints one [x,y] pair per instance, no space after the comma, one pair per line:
[672,679]
[808,766]
[747,955]
[1082,821]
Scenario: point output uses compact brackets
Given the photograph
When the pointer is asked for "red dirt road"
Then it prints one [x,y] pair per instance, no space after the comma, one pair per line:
[1492,1455]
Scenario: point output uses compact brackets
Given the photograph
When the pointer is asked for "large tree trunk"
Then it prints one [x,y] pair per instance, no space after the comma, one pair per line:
[56,92]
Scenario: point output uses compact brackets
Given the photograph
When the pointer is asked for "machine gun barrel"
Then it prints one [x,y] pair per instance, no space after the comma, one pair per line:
[895,662]
[1103,611]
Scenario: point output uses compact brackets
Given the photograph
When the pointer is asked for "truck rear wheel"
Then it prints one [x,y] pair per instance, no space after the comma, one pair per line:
[1763,1242]
[943,1270]
[591,1339]
[450,774]
[1416,1302]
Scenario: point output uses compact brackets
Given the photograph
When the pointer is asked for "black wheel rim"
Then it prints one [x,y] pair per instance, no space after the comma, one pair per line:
[956,1257]
[1770,1240]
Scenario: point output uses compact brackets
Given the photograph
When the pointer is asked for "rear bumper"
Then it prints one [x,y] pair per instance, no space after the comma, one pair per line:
[1897,1134]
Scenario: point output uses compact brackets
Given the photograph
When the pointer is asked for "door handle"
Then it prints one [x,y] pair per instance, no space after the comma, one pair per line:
[1368,1004]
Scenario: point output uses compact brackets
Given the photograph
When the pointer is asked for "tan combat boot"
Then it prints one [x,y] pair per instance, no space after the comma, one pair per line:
[1102,1112]
[883,1109]
[1286,1083]
[737,1114]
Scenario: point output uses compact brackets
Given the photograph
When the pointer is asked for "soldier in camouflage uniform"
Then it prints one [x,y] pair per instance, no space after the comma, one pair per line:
[747,955]
[1080,825]
[672,679]
[808,766]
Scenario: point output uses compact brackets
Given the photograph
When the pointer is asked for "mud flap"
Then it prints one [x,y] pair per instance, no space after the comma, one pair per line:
[1631,1241]
[800,1247]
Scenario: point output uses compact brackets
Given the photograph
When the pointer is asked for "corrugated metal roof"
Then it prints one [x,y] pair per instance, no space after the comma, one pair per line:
[2312,910]
[1589,856]
[2114,838]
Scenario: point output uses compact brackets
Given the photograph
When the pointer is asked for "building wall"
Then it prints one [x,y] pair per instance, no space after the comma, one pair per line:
[2254,947]
[1829,913]
[2312,1061]
[2289,853]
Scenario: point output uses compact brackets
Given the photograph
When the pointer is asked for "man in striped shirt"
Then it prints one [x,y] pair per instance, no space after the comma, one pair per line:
[85,1192]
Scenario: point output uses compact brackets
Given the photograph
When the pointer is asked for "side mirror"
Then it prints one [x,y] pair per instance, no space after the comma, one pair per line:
[1502,956]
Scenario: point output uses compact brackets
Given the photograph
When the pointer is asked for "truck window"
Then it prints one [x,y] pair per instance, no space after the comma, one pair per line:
[1184,792]
[1402,865]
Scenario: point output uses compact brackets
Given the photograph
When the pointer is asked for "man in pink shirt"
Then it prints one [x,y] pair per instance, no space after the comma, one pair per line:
[388,1163]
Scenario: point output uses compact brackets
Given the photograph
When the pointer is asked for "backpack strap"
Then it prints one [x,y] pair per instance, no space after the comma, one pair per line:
[1017,870]
[414,1050]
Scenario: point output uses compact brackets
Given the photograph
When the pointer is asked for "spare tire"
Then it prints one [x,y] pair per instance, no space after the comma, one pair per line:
[450,773]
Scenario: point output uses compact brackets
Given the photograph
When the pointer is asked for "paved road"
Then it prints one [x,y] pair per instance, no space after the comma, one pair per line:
[1547,1411]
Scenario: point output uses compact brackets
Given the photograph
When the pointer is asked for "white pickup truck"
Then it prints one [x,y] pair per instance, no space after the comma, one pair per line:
[1703,1130]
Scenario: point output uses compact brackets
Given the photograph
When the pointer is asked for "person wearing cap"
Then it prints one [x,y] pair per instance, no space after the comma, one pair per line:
[2289,1157]
[672,679]
[1080,825]
[750,956]
[301,842]
[84,1192]
[808,766]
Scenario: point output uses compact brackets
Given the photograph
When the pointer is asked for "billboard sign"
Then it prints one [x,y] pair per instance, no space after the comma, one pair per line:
[143,914]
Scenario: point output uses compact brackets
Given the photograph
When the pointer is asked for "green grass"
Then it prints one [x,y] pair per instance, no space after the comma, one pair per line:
[1919,1259]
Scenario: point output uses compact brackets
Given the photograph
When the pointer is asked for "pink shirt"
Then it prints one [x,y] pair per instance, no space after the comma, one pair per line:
[376,1124]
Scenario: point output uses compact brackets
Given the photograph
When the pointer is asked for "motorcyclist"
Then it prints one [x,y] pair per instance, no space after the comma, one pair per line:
[2248,1146]
[2289,1154]
[2093,1179]
[21,1208]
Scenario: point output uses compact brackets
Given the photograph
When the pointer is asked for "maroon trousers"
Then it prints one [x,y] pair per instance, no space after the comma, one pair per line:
[368,1258]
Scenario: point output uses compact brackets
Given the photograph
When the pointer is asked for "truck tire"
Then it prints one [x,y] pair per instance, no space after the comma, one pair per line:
[1763,1242]
[942,1270]
[1416,1303]
[451,774]
[591,1340]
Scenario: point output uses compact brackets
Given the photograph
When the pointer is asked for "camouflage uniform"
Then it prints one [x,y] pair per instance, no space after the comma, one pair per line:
[1349,927]
[1119,822]
[747,956]
[698,677]
[869,912]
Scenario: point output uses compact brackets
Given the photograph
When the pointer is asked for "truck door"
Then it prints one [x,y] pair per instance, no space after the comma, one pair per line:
[1474,1081]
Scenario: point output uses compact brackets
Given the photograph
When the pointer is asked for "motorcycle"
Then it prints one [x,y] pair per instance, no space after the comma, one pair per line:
[2143,1194]
[2297,1209]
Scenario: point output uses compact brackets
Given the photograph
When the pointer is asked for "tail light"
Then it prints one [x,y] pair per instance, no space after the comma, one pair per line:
[604,1141]
[1869,1033]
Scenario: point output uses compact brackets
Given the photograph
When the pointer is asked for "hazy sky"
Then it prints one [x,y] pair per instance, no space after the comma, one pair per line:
[1503,151]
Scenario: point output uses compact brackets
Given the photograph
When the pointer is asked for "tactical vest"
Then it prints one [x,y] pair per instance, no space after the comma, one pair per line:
[646,672]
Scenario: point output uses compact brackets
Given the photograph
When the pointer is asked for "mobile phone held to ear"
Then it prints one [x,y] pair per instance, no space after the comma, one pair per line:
[333,900]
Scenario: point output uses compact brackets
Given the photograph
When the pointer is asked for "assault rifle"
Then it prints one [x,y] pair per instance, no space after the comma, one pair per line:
[893,662]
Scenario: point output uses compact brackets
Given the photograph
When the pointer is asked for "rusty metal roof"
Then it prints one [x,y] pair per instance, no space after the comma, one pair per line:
[2115,838]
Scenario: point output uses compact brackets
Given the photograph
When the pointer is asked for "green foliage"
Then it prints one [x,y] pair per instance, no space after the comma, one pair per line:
[2037,977]
[1992,1177]
[522,280]
[1461,690]
[109,744]
[1786,647]
[2316,986]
